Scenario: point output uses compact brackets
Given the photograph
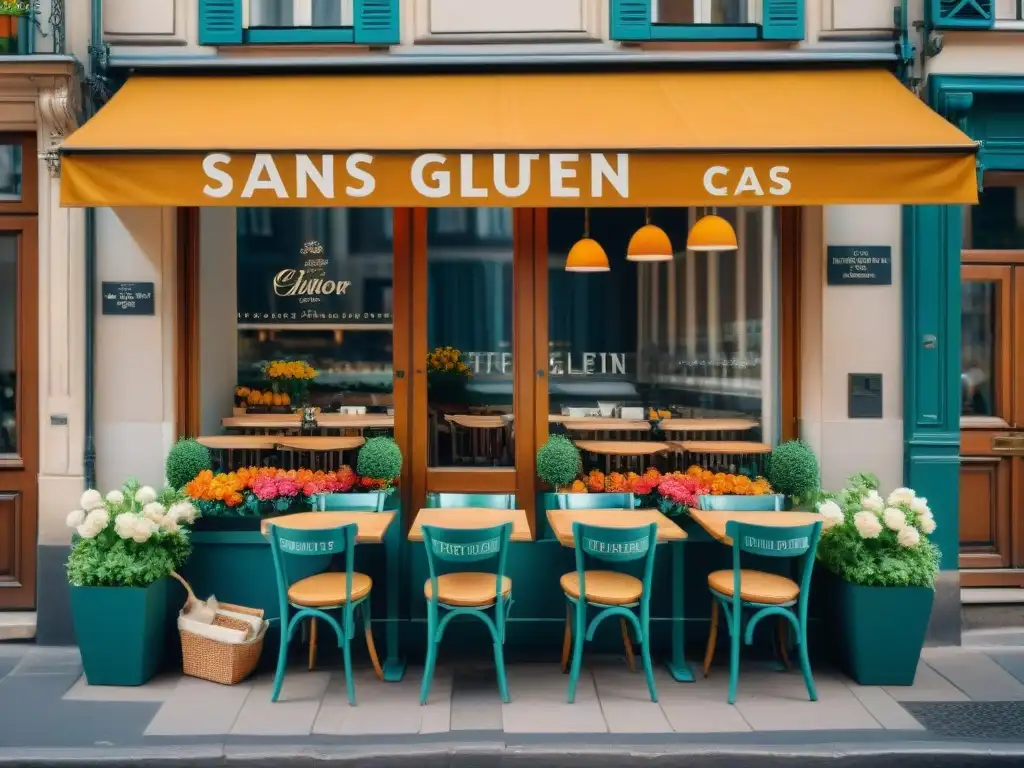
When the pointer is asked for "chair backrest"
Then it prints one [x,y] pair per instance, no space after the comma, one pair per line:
[486,500]
[596,501]
[462,546]
[321,542]
[616,545]
[350,502]
[790,541]
[770,503]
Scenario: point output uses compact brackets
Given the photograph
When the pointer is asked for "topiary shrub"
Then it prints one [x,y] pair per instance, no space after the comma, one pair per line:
[380,458]
[186,460]
[559,462]
[793,470]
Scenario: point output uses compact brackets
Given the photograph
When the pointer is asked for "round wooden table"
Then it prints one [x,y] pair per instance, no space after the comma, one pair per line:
[326,453]
[640,450]
[488,438]
[248,450]
[726,455]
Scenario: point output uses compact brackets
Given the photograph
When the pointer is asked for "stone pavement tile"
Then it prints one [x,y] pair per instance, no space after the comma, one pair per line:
[159,689]
[199,708]
[538,705]
[292,714]
[476,703]
[626,702]
[884,708]
[385,708]
[1011,661]
[779,703]
[49,661]
[705,717]
[975,674]
[928,685]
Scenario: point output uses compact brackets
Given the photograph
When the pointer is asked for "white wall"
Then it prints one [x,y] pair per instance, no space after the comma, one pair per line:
[218,302]
[851,329]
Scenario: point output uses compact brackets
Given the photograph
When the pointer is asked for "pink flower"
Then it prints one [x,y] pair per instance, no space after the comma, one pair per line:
[312,489]
[682,490]
[286,487]
[265,489]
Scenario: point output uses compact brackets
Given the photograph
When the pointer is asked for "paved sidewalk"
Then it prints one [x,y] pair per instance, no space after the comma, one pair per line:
[967,704]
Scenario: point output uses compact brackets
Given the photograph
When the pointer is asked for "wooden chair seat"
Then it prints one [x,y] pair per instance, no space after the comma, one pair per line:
[756,586]
[604,587]
[327,589]
[467,589]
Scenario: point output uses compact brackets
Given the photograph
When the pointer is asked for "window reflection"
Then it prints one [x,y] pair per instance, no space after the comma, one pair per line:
[979,305]
[997,221]
[10,173]
[8,343]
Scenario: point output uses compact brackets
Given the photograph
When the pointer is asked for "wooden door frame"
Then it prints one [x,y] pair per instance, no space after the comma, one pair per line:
[26,227]
[186,323]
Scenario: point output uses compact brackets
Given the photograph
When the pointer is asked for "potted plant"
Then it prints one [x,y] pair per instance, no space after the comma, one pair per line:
[126,545]
[794,472]
[379,465]
[287,378]
[11,11]
[880,570]
[186,459]
[447,375]
[559,464]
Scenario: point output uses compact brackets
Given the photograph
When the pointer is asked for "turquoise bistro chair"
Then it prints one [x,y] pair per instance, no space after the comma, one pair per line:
[317,597]
[350,502]
[595,501]
[484,500]
[770,503]
[468,593]
[613,592]
[747,596]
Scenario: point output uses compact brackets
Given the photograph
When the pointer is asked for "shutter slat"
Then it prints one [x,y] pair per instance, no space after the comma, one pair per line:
[783,20]
[377,22]
[961,14]
[631,19]
[220,22]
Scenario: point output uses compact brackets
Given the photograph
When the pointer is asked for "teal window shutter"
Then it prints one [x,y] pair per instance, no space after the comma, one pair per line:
[376,22]
[220,22]
[631,19]
[782,20]
[961,14]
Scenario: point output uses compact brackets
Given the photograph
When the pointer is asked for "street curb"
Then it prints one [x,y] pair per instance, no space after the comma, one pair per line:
[904,755]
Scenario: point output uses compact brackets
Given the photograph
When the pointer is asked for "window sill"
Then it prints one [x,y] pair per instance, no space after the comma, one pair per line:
[301,35]
[708,32]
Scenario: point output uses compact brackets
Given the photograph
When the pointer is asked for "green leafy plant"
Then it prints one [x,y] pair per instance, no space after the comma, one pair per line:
[380,460]
[559,462]
[873,541]
[793,470]
[186,460]
[129,538]
[15,7]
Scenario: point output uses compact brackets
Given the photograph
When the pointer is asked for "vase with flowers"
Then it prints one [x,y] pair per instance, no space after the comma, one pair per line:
[125,546]
[291,378]
[447,375]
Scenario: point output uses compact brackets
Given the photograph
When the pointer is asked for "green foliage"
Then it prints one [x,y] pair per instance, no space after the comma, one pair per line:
[15,7]
[120,563]
[793,470]
[186,460]
[380,458]
[558,461]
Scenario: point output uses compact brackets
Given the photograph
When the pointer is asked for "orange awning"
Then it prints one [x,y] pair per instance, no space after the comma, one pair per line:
[552,139]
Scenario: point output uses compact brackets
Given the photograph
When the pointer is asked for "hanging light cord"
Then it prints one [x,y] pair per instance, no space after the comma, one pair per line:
[586,222]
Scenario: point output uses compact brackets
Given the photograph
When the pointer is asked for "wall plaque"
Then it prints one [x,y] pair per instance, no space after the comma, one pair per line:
[128,298]
[859,265]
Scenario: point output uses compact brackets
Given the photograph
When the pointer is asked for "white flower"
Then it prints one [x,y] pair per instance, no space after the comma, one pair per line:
[183,511]
[91,499]
[145,495]
[831,514]
[87,531]
[894,518]
[143,530]
[154,511]
[124,525]
[76,518]
[901,496]
[116,498]
[169,524]
[927,523]
[919,506]
[908,537]
[873,502]
[867,524]
[99,518]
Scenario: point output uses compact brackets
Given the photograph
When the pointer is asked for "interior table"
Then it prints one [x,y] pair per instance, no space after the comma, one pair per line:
[727,455]
[264,423]
[324,447]
[640,450]
[468,518]
[488,437]
[372,528]
[250,447]
[669,532]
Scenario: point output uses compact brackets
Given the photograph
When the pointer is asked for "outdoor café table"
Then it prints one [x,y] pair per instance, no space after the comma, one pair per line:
[561,521]
[469,518]
[487,437]
[265,423]
[371,529]
[714,521]
[705,452]
[248,446]
[638,449]
[322,448]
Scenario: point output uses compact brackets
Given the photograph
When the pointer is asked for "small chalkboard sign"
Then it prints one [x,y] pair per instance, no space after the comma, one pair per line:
[859,265]
[128,299]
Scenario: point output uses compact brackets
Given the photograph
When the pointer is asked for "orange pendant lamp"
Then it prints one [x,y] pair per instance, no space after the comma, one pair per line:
[712,233]
[649,243]
[587,255]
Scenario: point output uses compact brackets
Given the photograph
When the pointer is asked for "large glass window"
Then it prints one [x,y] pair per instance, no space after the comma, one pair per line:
[702,12]
[315,286]
[8,343]
[686,338]
[997,221]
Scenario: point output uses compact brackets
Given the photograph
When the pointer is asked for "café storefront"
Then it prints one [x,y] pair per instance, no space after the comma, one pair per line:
[379,218]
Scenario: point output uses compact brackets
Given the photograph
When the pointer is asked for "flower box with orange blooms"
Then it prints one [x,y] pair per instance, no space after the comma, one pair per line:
[262,491]
[673,492]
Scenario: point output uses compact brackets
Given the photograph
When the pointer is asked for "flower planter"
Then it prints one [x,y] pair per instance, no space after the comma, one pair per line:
[861,616]
[8,33]
[121,631]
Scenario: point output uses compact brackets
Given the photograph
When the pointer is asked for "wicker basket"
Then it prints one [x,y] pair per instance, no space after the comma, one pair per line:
[216,661]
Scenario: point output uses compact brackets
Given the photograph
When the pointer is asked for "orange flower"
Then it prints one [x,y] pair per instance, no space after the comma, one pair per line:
[578,486]
[616,482]
[595,481]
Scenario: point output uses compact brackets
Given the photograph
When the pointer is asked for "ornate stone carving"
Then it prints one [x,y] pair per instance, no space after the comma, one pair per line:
[59,107]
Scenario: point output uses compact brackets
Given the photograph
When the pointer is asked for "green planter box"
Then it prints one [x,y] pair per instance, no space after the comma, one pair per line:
[121,631]
[878,632]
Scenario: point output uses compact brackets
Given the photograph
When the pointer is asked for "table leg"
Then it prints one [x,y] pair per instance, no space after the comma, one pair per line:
[394,662]
[678,666]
